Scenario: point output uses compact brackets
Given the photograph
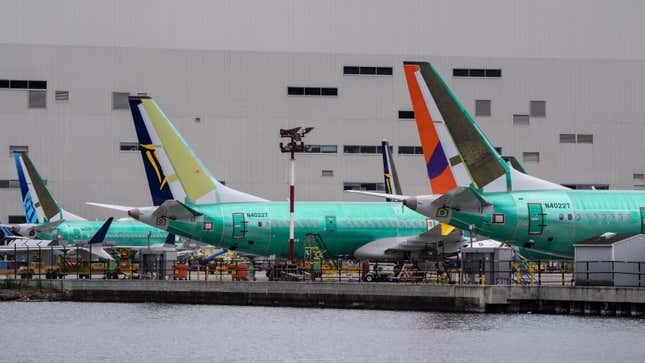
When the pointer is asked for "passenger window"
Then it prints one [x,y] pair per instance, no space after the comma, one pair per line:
[569,216]
[387,223]
[595,217]
[629,217]
[612,217]
[620,217]
[561,216]
[604,217]
[587,217]
[578,217]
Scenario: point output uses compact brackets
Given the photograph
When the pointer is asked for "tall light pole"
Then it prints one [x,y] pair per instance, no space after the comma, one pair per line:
[296,144]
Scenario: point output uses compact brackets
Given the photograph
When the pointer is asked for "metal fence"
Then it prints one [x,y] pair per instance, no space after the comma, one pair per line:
[506,272]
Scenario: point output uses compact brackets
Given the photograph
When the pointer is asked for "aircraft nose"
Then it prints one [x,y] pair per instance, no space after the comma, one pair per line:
[410,203]
[134,213]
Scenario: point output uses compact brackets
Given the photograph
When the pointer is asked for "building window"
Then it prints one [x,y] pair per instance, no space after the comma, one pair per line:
[639,177]
[129,146]
[37,99]
[482,108]
[329,91]
[327,172]
[312,91]
[61,96]
[477,72]
[367,71]
[537,108]
[520,119]
[321,149]
[351,70]
[585,139]
[18,149]
[120,100]
[17,219]
[567,138]
[18,84]
[411,150]
[531,157]
[295,91]
[406,115]
[587,186]
[363,149]
[37,84]
[364,186]
[22,84]
[9,184]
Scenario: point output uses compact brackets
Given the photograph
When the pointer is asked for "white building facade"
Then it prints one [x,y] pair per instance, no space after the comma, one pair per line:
[558,85]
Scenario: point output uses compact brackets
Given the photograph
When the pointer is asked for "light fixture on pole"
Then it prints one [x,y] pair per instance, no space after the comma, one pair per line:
[295,145]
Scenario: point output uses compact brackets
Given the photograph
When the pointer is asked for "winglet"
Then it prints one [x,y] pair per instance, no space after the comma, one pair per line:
[99,236]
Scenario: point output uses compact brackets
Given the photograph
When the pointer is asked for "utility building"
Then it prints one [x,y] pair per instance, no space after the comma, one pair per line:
[559,85]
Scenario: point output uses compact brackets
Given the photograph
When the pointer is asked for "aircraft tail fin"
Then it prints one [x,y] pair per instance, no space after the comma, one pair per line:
[170,239]
[39,204]
[5,232]
[99,236]
[456,150]
[188,178]
[392,185]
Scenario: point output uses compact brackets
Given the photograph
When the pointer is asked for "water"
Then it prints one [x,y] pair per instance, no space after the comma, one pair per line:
[82,332]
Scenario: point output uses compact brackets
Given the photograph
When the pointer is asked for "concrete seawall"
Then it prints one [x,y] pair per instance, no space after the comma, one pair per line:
[390,296]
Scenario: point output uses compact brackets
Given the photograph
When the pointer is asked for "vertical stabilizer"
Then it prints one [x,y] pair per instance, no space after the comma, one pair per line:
[157,180]
[453,142]
[99,236]
[391,177]
[189,179]
[39,204]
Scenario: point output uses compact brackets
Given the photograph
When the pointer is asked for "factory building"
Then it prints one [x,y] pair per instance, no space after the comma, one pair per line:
[558,85]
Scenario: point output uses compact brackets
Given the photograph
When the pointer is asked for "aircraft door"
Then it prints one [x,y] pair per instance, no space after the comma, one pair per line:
[239,226]
[536,219]
[330,223]
[642,219]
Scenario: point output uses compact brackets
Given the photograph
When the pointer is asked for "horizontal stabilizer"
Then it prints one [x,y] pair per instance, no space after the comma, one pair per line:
[380,195]
[122,208]
[463,199]
[48,227]
[175,210]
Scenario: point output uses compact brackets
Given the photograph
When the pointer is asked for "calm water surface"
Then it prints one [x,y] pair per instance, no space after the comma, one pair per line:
[83,332]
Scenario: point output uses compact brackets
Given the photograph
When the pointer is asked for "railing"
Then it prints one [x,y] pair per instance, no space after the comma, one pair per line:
[506,272]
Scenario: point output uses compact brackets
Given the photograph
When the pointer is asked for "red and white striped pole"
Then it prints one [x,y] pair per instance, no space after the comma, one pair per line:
[292,191]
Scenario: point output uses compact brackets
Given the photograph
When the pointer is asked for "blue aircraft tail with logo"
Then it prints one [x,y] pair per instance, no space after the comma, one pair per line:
[39,204]
[157,180]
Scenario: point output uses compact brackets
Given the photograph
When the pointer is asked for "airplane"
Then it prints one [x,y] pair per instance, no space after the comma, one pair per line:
[205,210]
[501,202]
[47,220]
[94,245]
[448,241]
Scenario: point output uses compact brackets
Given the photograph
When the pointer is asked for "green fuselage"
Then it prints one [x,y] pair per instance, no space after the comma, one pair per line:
[122,233]
[553,221]
[262,228]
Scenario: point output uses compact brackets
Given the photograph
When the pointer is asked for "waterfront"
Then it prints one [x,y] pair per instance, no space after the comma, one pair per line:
[79,332]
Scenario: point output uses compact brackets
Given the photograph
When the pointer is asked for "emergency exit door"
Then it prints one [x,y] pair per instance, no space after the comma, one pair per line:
[239,226]
[536,219]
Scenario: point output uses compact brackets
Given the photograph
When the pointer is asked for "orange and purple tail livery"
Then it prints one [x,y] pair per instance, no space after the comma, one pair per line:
[440,174]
